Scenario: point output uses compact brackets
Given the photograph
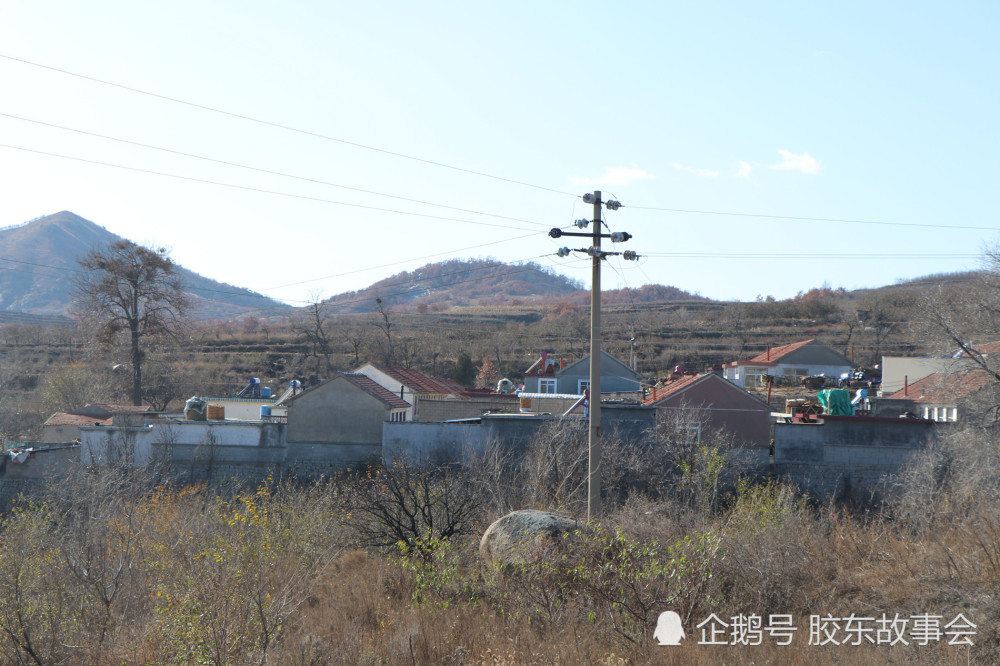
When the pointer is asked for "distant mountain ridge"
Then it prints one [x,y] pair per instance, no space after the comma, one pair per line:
[38,257]
[464,282]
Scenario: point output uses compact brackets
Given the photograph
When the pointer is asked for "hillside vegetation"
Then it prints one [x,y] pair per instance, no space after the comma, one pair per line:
[39,259]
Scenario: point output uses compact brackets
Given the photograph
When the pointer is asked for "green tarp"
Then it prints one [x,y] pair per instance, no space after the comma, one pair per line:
[836,401]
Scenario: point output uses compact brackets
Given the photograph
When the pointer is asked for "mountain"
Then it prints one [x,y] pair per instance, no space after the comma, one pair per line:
[37,257]
[461,282]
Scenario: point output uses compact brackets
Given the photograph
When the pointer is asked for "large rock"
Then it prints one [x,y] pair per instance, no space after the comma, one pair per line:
[522,531]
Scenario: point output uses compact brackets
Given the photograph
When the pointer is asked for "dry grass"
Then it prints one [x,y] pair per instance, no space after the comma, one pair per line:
[274,576]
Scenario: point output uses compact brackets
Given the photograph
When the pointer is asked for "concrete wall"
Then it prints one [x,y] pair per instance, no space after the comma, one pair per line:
[242,409]
[420,441]
[443,409]
[416,440]
[220,443]
[38,472]
[842,454]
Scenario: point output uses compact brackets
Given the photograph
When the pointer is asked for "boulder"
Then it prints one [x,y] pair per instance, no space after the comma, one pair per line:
[509,537]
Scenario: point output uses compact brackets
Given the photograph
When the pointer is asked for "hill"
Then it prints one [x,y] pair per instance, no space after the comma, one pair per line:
[471,282]
[37,257]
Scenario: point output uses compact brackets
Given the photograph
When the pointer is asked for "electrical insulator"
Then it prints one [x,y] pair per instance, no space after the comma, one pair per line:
[596,251]
[582,223]
[563,252]
[613,205]
[630,255]
[556,232]
[620,236]
[588,198]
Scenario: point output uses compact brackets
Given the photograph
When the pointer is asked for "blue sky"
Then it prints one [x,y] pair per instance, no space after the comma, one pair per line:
[877,112]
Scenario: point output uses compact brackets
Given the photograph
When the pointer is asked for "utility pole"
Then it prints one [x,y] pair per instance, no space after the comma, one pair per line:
[594,442]
[597,255]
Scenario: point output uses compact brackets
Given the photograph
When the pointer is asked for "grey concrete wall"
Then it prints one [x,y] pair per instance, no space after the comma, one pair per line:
[428,442]
[38,472]
[837,456]
[442,409]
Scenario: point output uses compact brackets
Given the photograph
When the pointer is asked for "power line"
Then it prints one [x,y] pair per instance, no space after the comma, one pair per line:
[814,219]
[267,171]
[289,128]
[765,255]
[260,190]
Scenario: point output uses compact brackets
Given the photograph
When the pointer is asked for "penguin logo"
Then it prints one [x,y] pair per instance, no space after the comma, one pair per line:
[669,630]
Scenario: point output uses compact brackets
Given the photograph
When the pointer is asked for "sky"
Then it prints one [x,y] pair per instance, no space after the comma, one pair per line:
[304,149]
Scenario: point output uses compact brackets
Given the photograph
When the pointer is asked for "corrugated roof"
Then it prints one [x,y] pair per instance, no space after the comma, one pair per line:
[943,387]
[385,395]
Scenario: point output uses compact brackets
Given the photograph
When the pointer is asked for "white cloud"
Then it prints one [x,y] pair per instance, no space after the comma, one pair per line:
[707,173]
[804,163]
[744,169]
[614,176]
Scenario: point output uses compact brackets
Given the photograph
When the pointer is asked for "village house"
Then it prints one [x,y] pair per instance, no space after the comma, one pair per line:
[703,406]
[64,427]
[548,375]
[335,424]
[944,397]
[793,361]
[900,371]
[412,386]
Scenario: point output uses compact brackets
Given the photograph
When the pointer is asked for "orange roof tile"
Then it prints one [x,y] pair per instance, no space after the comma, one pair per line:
[380,392]
[670,388]
[943,387]
[421,383]
[62,419]
[775,353]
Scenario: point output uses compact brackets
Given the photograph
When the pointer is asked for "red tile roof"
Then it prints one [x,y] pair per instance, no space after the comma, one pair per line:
[383,394]
[421,383]
[658,394]
[943,387]
[775,353]
[61,419]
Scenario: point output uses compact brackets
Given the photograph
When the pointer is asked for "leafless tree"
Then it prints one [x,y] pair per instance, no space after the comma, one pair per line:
[315,328]
[408,502]
[385,325]
[357,337]
[130,290]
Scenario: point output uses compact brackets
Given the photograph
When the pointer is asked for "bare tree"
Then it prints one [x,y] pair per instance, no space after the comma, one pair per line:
[134,290]
[315,328]
[356,337]
[385,325]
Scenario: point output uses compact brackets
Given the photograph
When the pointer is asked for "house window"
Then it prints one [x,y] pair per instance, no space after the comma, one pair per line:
[796,372]
[546,386]
[582,385]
